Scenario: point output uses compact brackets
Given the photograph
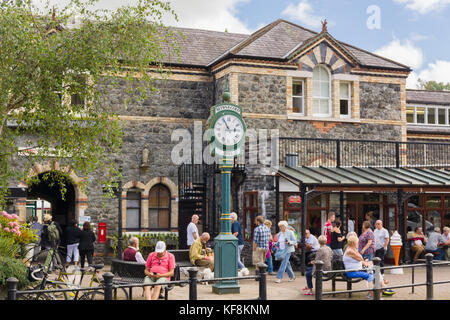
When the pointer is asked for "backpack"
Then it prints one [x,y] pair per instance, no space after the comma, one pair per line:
[53,232]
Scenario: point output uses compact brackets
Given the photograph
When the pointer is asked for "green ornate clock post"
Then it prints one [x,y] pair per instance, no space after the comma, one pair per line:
[226,141]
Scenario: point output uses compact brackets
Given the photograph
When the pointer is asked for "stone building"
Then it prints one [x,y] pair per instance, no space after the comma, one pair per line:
[306,85]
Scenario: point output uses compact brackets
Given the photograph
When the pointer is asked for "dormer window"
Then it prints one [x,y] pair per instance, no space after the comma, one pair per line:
[321,92]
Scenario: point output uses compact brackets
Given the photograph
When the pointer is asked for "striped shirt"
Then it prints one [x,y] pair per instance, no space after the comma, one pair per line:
[261,236]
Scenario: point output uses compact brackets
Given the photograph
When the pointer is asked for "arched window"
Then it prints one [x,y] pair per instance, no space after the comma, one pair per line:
[321,92]
[133,210]
[159,207]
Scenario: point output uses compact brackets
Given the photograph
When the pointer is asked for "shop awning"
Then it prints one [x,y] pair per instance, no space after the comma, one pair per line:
[370,176]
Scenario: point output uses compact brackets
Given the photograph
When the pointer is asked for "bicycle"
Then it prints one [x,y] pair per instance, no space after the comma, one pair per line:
[96,294]
[45,283]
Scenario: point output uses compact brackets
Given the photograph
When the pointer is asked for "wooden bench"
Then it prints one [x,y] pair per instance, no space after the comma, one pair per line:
[133,272]
[127,272]
[338,264]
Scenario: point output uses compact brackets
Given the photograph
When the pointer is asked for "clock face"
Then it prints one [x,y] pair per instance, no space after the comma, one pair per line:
[228,130]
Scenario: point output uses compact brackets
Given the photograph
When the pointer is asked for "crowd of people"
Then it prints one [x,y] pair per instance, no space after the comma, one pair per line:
[356,253]
[79,242]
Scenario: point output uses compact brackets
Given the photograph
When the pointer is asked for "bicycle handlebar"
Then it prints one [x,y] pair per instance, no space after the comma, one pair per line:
[34,271]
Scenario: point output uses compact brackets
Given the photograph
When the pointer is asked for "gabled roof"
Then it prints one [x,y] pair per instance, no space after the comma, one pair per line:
[275,41]
[315,40]
[428,97]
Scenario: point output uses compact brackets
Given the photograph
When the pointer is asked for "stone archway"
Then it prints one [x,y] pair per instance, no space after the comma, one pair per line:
[80,198]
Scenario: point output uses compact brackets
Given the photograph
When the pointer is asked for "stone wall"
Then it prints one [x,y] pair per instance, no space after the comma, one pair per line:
[173,98]
[380,101]
[262,93]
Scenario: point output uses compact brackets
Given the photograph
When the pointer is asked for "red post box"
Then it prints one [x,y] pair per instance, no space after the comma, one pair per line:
[101,232]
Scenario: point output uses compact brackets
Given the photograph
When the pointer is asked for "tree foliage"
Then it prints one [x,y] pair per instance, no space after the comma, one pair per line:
[433,85]
[51,57]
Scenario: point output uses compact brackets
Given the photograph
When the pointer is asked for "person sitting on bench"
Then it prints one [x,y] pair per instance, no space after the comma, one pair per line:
[418,240]
[353,260]
[435,240]
[159,268]
[446,236]
[199,254]
[132,252]
[324,254]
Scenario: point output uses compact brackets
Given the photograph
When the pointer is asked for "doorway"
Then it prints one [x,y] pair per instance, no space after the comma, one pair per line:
[58,189]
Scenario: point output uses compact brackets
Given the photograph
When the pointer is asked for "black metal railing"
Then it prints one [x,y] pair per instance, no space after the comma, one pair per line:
[314,152]
[377,289]
[109,286]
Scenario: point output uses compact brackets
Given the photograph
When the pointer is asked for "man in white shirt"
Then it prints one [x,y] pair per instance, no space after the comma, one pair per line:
[381,241]
[192,231]
[311,242]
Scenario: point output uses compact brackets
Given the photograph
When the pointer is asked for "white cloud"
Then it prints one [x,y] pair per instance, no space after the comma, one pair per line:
[438,71]
[411,81]
[424,6]
[304,13]
[406,53]
[215,15]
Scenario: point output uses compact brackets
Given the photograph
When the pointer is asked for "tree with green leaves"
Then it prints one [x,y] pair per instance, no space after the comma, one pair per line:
[52,61]
[433,85]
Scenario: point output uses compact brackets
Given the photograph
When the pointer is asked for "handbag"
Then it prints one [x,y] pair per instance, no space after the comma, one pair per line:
[280,254]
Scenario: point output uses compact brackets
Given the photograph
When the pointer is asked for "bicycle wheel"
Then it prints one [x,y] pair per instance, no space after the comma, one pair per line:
[57,295]
[92,295]
[36,296]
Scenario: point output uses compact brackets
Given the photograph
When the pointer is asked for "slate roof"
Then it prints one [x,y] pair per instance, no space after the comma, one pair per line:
[200,47]
[428,97]
[274,41]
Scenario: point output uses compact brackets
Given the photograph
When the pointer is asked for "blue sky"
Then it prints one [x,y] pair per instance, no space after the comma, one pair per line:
[413,32]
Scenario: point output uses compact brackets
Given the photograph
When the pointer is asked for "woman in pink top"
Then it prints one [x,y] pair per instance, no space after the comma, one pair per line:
[159,268]
[269,262]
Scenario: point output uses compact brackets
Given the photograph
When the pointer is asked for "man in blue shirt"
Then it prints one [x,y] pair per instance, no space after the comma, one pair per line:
[261,238]
[236,230]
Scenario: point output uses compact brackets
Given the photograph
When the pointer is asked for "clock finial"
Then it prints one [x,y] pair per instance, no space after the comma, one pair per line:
[226,96]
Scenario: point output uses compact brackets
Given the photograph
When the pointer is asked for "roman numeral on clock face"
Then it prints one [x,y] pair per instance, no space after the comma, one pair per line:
[228,130]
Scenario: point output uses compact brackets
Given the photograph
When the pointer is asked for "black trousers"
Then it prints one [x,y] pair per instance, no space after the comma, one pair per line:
[380,254]
[86,254]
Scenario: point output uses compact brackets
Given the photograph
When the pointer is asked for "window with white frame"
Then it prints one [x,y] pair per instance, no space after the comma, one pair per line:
[428,115]
[321,92]
[345,96]
[298,101]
